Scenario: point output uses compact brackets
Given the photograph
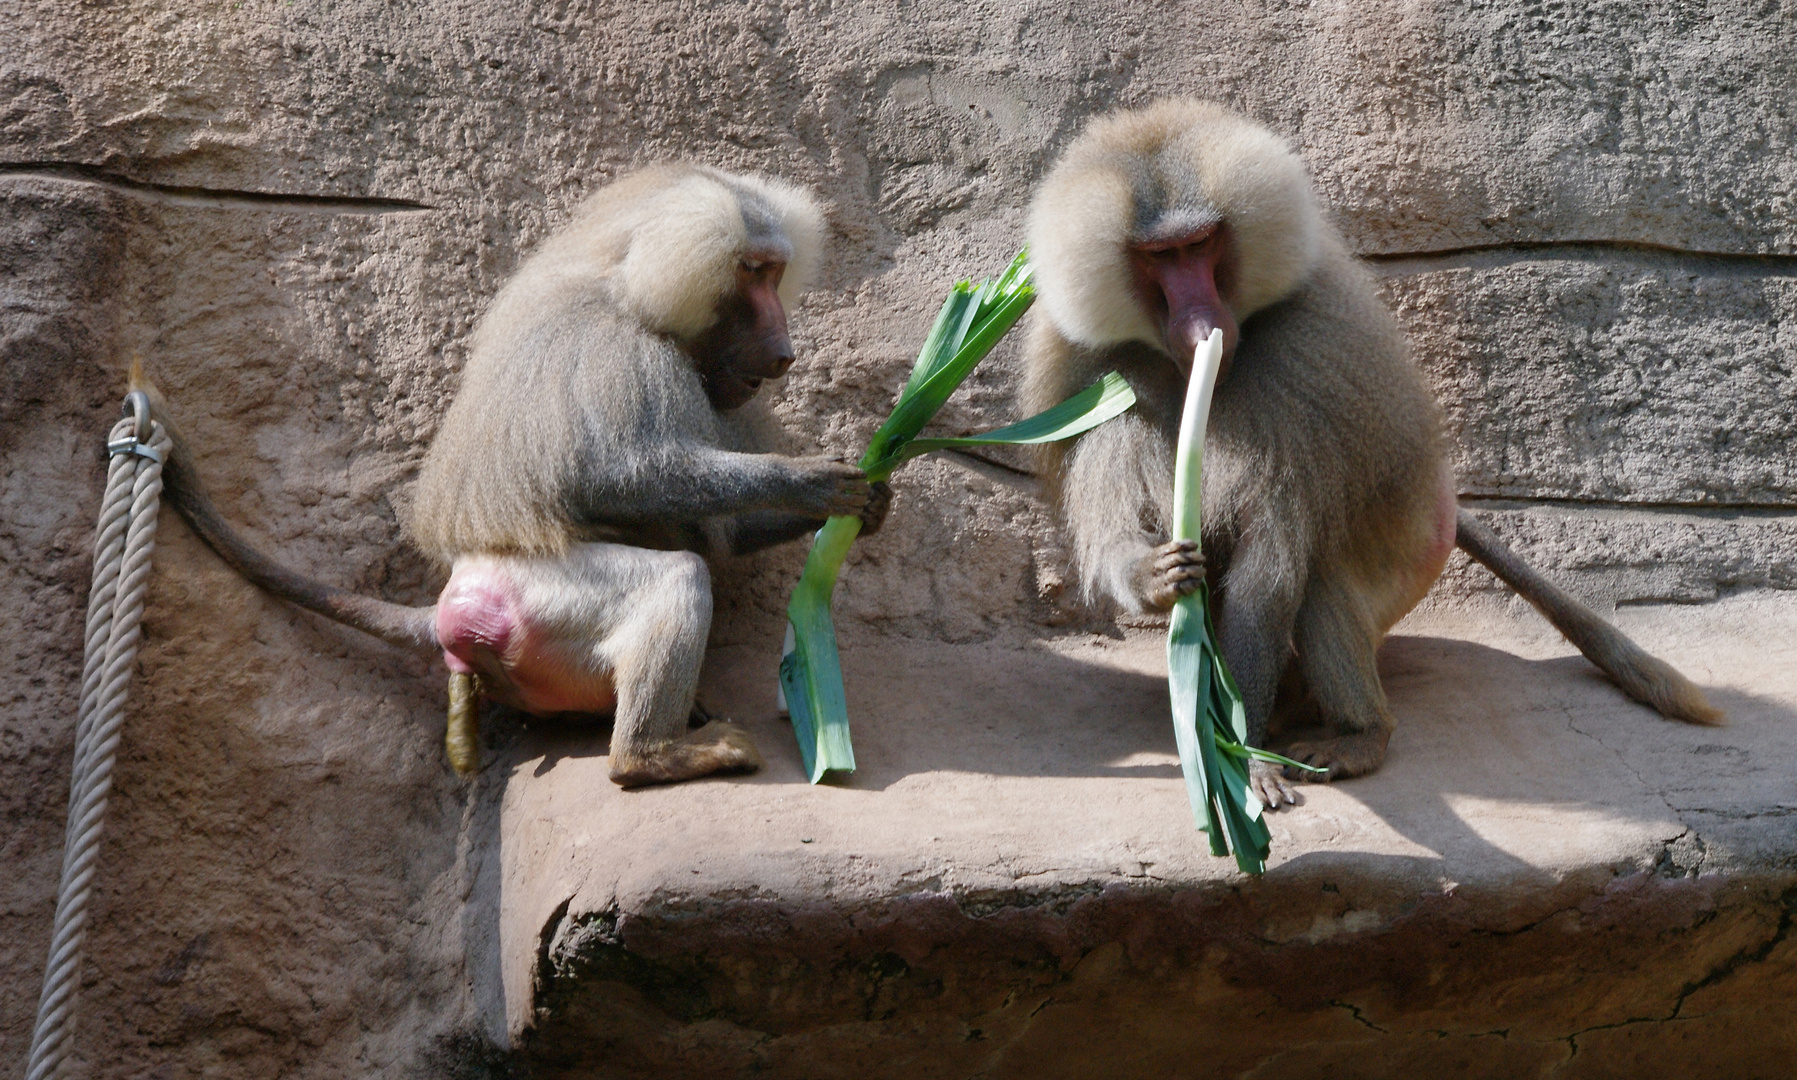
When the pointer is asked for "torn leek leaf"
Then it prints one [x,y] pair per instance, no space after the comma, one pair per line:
[1210,725]
[971,322]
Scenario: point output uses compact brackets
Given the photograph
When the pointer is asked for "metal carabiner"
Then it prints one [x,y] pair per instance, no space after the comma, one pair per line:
[137,406]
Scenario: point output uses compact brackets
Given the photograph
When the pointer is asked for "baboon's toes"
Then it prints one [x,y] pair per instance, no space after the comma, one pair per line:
[718,747]
[1270,786]
[1340,757]
[725,748]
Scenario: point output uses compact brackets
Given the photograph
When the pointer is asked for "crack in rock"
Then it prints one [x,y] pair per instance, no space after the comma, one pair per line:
[1359,1017]
[1787,904]
[209,198]
[1636,773]
[1577,249]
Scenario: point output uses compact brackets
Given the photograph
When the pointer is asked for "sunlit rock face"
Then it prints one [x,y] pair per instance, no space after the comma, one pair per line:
[295,213]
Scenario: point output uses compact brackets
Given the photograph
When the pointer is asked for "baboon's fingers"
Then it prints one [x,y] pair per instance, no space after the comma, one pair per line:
[851,499]
[833,488]
[842,469]
[1182,558]
[1179,581]
[1168,593]
[879,501]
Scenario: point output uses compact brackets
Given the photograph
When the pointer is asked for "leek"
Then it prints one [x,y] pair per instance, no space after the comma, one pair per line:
[971,322]
[1210,726]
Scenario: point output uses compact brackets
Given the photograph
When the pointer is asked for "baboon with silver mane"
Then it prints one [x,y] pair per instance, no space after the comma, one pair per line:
[1329,506]
[605,438]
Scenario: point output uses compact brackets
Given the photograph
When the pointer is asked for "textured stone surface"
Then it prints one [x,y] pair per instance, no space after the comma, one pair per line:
[293,212]
[276,889]
[1612,556]
[1544,879]
[1431,127]
[1611,375]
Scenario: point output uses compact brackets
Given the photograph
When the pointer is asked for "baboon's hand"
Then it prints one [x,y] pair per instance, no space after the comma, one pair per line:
[879,500]
[833,488]
[1171,571]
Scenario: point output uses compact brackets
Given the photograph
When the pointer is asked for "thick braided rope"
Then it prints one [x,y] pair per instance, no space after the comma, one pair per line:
[123,543]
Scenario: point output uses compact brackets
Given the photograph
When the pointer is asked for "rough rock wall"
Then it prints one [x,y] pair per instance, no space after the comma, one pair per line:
[293,212]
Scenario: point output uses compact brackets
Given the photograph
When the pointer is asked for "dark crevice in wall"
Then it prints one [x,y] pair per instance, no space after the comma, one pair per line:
[1485,255]
[1716,509]
[1000,472]
[1024,480]
[209,198]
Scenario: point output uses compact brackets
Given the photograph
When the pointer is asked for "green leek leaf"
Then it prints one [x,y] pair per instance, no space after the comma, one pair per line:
[1109,396]
[971,322]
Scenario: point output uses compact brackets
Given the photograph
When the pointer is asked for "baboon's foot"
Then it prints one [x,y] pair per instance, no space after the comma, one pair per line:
[1269,784]
[718,747]
[1342,756]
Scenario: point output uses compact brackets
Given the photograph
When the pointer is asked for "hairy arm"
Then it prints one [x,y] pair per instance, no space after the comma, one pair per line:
[1114,494]
[692,483]
[752,428]
[652,448]
[760,529]
[580,424]
[1261,593]
[1114,484]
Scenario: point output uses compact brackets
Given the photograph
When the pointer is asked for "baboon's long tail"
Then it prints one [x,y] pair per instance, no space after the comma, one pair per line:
[1647,679]
[407,627]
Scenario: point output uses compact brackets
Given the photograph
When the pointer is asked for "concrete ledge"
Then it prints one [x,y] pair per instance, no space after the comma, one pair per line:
[1544,877]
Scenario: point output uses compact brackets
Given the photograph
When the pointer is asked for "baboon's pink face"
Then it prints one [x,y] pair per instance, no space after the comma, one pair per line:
[1186,284]
[749,342]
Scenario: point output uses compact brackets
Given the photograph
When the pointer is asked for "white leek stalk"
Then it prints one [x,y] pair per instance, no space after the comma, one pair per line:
[1209,723]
